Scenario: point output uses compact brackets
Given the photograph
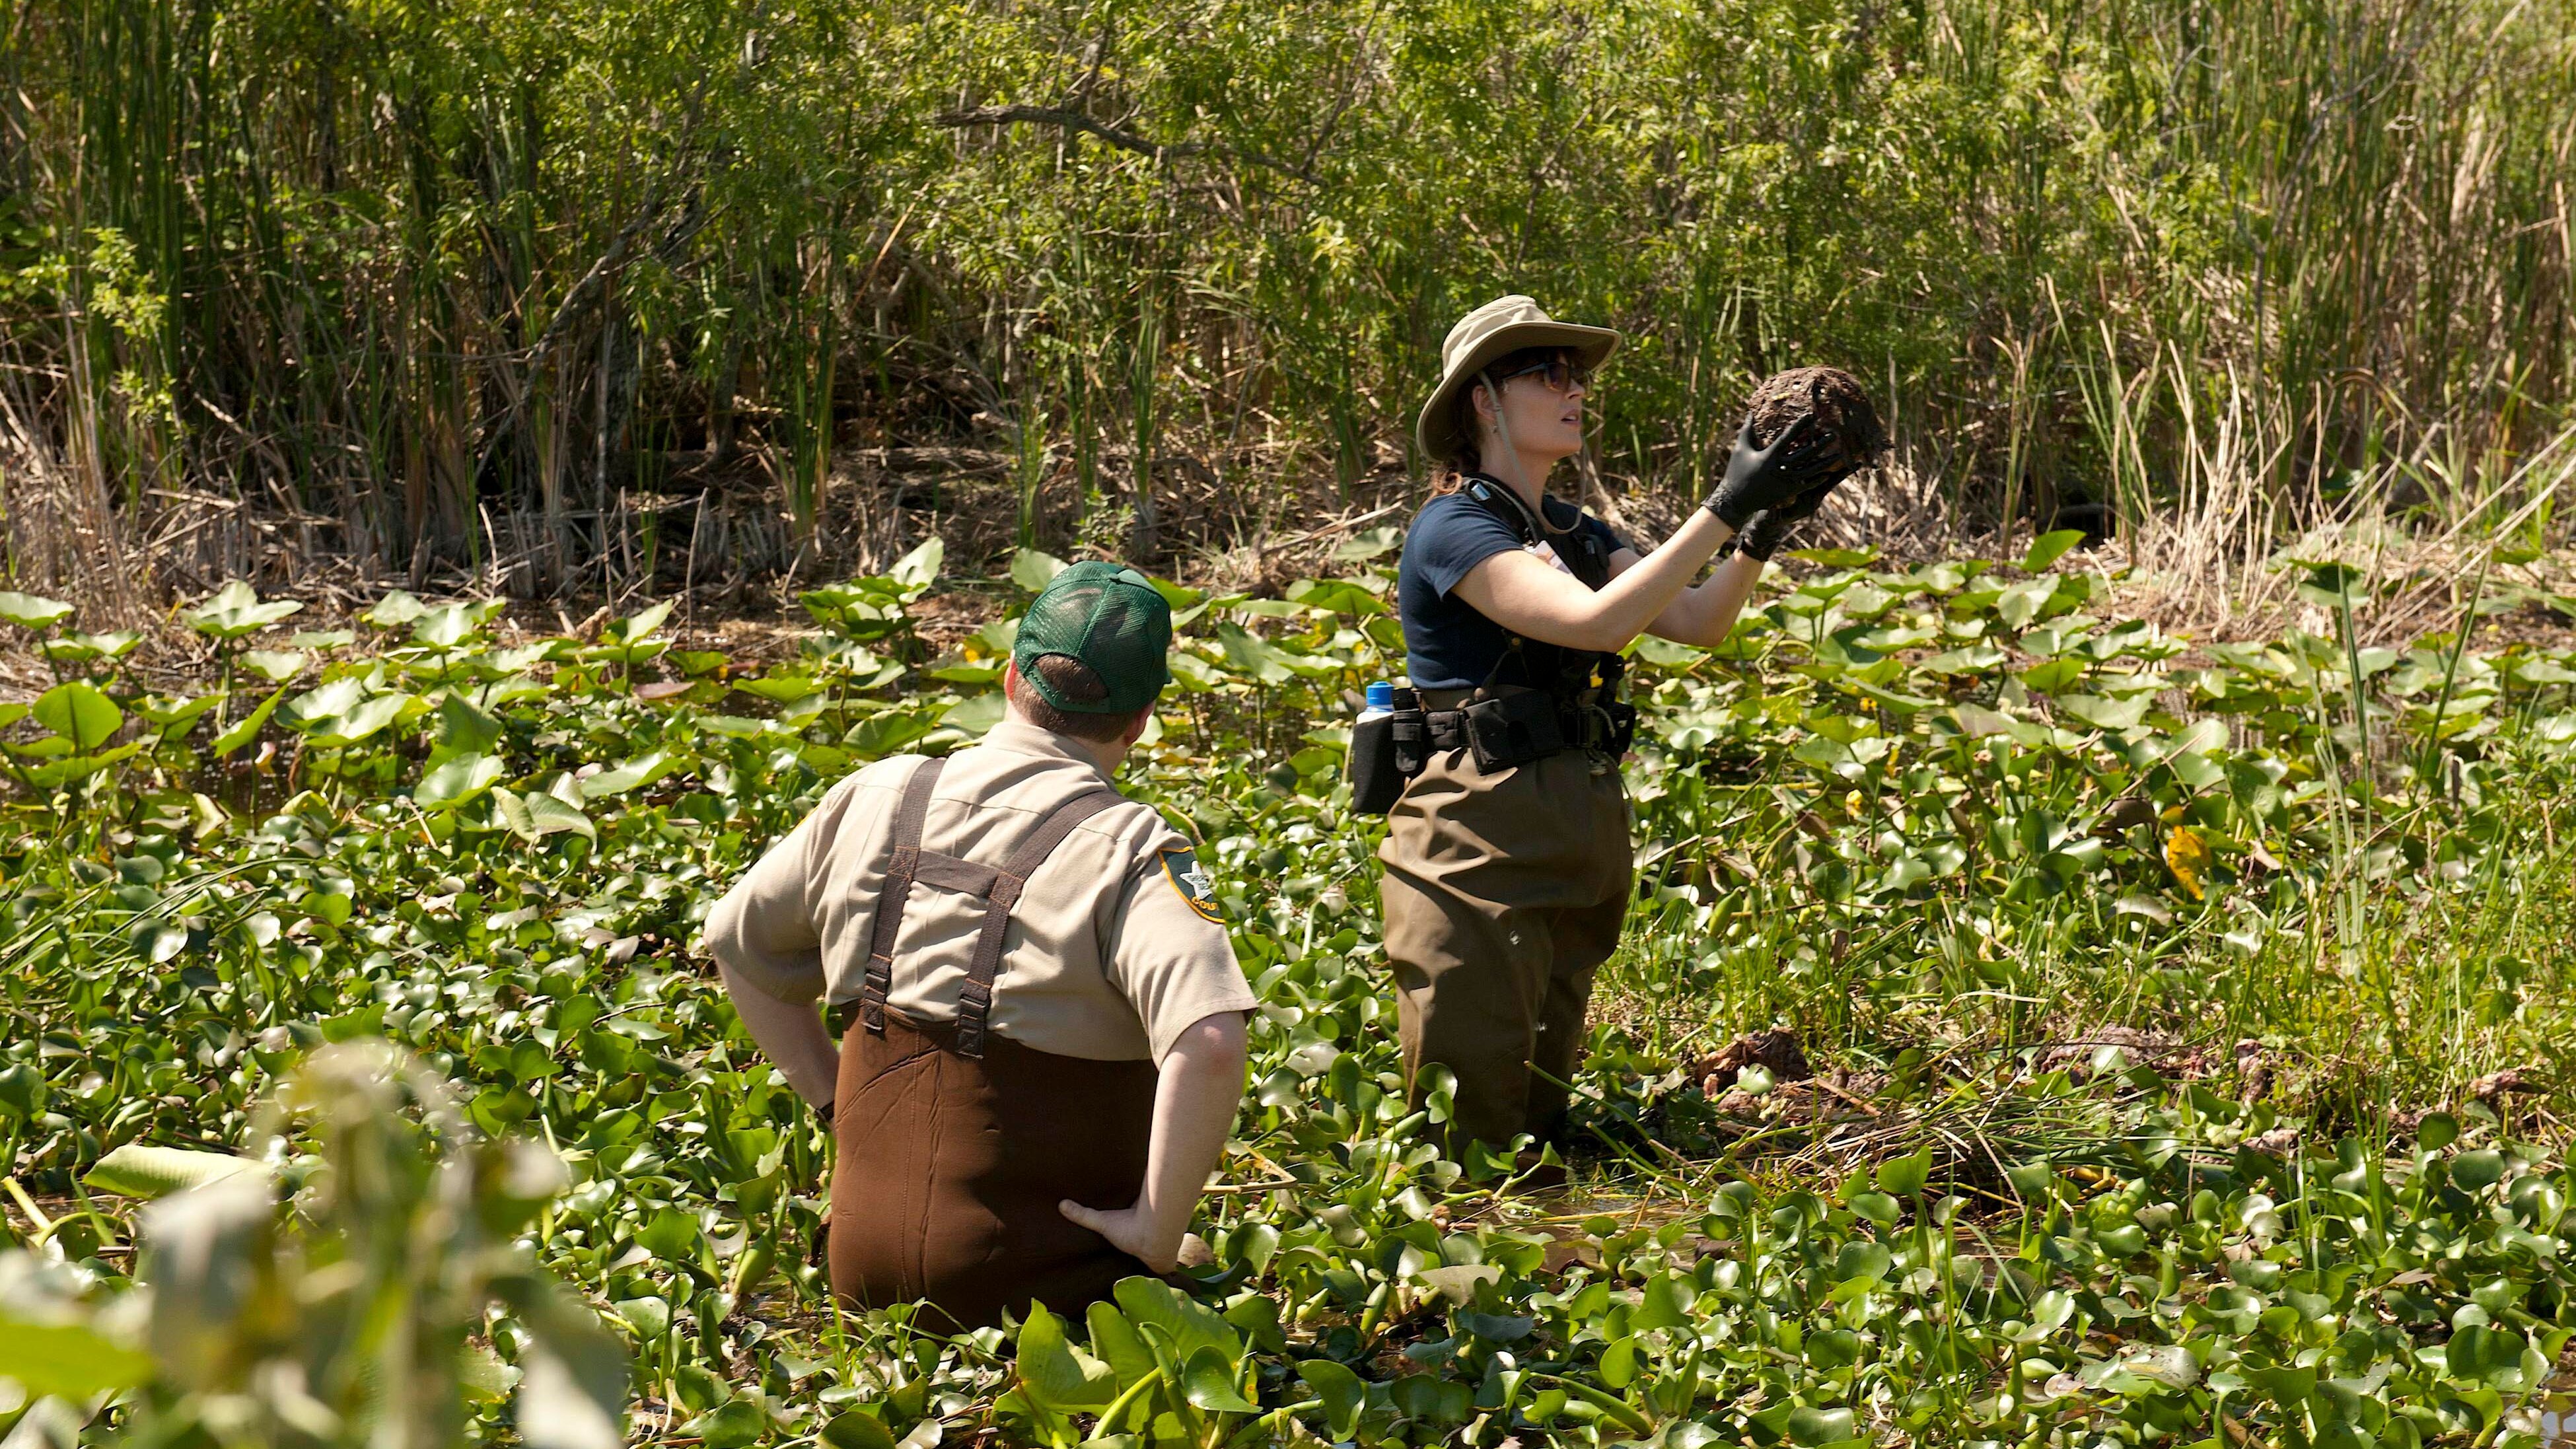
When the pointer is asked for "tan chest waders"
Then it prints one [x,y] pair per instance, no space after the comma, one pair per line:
[956,1144]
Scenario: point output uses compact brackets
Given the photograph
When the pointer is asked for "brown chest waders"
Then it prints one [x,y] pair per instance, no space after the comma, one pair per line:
[1508,864]
[956,1145]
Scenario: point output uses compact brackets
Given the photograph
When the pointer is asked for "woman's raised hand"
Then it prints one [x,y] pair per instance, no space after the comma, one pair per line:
[1759,478]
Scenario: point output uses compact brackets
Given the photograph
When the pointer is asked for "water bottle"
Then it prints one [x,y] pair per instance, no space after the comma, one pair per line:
[1375,781]
[1379,702]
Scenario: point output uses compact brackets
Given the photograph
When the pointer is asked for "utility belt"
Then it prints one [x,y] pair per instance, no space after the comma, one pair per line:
[1501,726]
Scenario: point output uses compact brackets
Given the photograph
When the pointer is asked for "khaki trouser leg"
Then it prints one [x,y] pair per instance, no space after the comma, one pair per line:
[1503,894]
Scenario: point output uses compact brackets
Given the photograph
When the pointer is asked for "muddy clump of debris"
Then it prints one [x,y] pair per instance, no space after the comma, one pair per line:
[1835,398]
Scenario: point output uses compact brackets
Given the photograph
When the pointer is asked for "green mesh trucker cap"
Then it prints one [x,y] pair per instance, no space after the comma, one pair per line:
[1108,617]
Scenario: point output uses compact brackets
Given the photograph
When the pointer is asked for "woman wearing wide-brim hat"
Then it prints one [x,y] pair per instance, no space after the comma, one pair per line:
[1508,862]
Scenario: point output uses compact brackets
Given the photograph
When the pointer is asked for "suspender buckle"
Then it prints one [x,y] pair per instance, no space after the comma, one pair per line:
[872,993]
[974,1009]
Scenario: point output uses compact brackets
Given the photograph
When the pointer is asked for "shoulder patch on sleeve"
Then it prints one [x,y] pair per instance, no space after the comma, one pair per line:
[1181,869]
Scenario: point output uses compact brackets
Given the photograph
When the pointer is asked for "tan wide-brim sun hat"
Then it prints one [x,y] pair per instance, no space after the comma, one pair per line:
[1505,324]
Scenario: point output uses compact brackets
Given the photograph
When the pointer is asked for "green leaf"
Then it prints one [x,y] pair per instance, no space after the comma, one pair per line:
[458,782]
[1619,1363]
[1033,570]
[395,610]
[235,610]
[22,1089]
[445,627]
[170,718]
[852,1429]
[733,1424]
[1342,1392]
[633,774]
[976,715]
[1251,655]
[242,731]
[138,1171]
[1190,1326]
[574,1398]
[1207,1381]
[536,815]
[463,728]
[339,731]
[2473,1170]
[1906,1176]
[919,569]
[1809,1425]
[1343,597]
[32,611]
[2104,714]
[1057,1375]
[1119,1344]
[63,771]
[275,665]
[79,713]
[1458,1283]
[158,941]
[633,631]
[1664,1304]
[2049,547]
[116,644]
[1362,547]
[2332,584]
[672,1236]
[67,1360]
[1878,1207]
[1862,1261]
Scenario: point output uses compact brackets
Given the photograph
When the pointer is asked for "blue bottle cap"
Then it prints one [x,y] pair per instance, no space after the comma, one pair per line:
[1381,695]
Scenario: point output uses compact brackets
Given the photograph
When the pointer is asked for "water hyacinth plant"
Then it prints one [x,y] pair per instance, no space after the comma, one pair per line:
[2033,1026]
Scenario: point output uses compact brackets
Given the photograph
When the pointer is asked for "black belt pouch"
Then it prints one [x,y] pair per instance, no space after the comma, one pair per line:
[1375,777]
[1623,727]
[1513,730]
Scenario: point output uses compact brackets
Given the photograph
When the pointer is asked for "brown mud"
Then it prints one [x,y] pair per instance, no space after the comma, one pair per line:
[1833,397]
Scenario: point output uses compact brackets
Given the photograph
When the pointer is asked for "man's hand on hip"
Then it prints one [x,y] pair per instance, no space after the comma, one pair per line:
[1132,1231]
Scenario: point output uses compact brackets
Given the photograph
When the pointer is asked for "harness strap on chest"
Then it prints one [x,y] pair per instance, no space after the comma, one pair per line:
[1000,887]
[1560,670]
[975,1000]
[900,874]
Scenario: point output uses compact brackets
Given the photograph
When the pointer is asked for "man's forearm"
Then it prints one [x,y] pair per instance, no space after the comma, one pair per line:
[791,1036]
[1195,1097]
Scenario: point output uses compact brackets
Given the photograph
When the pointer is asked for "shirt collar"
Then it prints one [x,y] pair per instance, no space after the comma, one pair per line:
[1015,736]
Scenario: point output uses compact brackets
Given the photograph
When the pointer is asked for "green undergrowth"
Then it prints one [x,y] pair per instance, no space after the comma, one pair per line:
[2182,1022]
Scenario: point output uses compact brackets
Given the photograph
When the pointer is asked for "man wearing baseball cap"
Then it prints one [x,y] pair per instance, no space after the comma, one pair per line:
[1039,1019]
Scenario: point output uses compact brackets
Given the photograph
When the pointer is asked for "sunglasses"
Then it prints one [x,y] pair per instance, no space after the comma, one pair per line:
[1559,375]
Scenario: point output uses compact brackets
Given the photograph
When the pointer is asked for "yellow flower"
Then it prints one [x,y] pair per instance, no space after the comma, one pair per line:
[2187,856]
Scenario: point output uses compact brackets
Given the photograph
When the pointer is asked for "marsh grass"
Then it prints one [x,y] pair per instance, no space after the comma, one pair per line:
[442,292]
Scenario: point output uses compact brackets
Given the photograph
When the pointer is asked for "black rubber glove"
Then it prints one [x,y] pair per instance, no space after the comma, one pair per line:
[1765,531]
[1763,534]
[1759,478]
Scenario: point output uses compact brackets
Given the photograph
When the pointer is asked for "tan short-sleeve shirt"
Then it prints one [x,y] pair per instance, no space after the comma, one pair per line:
[1113,949]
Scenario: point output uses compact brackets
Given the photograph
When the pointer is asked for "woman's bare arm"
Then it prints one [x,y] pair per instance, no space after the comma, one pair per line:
[1705,613]
[1537,600]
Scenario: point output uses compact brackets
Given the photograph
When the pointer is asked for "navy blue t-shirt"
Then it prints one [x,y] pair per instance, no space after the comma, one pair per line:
[1448,644]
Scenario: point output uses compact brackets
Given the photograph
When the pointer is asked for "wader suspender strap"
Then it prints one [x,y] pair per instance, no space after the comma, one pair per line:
[975,1001]
[898,891]
[1582,556]
[999,888]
